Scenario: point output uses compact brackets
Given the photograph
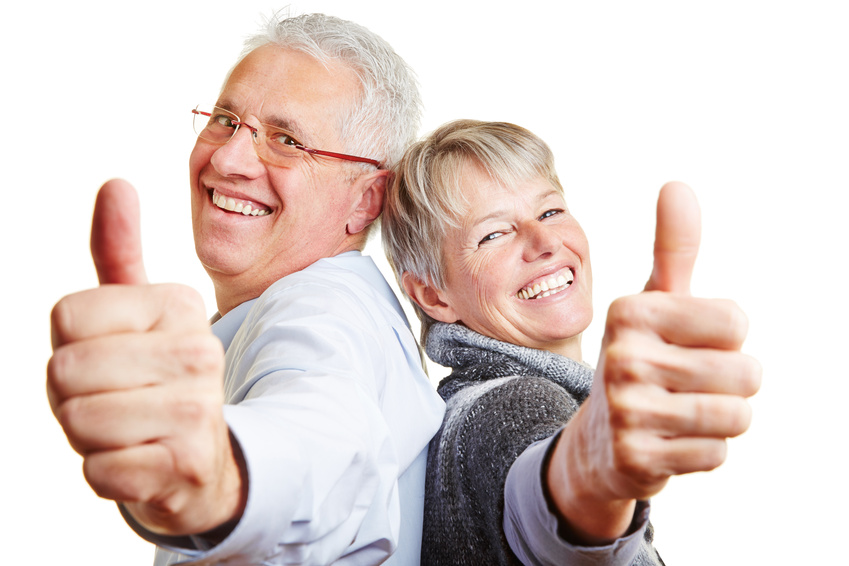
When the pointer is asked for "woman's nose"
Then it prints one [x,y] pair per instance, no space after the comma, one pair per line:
[540,241]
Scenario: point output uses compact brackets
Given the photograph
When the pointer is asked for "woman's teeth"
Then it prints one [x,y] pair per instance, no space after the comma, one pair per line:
[547,287]
[231,204]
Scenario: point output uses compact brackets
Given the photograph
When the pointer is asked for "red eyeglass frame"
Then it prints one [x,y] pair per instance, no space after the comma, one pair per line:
[309,150]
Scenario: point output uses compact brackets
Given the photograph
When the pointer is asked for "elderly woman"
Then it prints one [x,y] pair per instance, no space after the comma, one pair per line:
[480,237]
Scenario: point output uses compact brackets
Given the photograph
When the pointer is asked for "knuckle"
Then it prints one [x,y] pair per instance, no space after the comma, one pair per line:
[736,321]
[618,416]
[622,414]
[190,410]
[701,416]
[111,480]
[199,354]
[70,414]
[61,320]
[94,474]
[725,416]
[198,472]
[58,371]
[620,363]
[197,410]
[182,299]
[624,311]
[195,462]
[631,455]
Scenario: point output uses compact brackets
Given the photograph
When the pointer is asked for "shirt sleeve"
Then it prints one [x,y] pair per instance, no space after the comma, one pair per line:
[306,383]
[531,527]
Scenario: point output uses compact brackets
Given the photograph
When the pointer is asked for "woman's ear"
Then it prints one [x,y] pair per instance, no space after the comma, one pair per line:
[430,299]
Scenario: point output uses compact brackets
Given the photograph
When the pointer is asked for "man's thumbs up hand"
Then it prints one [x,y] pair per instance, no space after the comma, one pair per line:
[128,357]
[116,235]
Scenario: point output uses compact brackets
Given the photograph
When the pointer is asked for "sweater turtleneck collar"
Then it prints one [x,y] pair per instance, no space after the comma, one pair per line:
[474,357]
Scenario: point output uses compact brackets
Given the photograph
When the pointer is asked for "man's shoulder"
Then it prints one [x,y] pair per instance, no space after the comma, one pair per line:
[347,274]
[347,286]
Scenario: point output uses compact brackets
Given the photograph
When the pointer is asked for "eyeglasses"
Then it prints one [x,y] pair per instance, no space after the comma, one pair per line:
[274,145]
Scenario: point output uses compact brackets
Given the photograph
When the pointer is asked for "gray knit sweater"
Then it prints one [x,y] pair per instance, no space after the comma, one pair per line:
[500,399]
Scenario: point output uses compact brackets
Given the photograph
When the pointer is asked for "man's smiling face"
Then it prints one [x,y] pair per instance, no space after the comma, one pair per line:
[298,213]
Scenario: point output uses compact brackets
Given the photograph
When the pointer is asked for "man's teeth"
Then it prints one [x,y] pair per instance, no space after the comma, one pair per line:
[233,205]
[547,287]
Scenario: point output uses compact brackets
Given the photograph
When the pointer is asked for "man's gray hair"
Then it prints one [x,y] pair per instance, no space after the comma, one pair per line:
[386,118]
[427,197]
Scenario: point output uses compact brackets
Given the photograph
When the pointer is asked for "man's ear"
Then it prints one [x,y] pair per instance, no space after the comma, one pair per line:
[371,189]
[430,299]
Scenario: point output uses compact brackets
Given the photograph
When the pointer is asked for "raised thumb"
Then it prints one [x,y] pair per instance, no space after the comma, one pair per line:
[116,235]
[676,240]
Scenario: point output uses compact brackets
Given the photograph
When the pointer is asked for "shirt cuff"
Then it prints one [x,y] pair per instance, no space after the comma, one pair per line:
[254,536]
[532,527]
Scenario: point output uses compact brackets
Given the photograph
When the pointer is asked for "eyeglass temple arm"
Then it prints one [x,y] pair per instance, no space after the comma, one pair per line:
[339,155]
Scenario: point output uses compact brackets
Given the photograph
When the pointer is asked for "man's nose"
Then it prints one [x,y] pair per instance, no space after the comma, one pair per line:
[238,156]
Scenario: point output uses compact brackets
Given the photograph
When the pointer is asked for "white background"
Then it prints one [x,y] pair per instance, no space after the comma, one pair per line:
[748,102]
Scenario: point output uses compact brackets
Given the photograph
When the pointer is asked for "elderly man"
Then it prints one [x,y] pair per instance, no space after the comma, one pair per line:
[305,442]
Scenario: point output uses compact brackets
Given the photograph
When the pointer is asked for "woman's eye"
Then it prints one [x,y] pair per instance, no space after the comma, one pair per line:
[490,237]
[549,213]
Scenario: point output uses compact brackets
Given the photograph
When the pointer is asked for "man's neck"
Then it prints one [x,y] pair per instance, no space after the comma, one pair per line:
[233,290]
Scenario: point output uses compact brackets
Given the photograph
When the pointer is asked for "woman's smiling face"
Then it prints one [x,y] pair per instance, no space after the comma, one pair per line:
[518,268]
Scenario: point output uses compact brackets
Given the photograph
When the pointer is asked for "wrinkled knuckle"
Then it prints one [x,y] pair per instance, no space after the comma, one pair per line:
[624,364]
[199,474]
[200,354]
[622,415]
[618,417]
[624,311]
[630,457]
[199,411]
[182,299]
[192,411]
[195,466]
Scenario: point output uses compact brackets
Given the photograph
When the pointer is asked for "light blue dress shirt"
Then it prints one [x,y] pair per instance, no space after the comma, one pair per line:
[329,404]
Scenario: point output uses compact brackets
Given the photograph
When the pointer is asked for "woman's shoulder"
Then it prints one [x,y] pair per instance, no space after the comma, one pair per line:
[516,409]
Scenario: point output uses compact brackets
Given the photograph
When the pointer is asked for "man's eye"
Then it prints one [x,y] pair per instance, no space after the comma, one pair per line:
[222,120]
[549,213]
[282,138]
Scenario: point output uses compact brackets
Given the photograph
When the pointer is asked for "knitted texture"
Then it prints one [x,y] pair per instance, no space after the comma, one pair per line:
[500,399]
